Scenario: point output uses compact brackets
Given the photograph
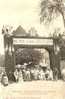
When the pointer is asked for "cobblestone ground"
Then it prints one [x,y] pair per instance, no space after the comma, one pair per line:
[34,90]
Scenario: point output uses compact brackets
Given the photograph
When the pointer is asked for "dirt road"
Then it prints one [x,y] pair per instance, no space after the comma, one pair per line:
[34,90]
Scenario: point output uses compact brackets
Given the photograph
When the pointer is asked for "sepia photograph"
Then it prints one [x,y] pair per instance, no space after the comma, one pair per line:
[32,49]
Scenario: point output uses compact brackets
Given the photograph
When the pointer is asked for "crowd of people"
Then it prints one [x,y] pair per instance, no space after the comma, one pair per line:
[27,72]
[31,73]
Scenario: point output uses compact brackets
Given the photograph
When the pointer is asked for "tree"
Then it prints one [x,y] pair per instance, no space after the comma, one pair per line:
[7,30]
[28,55]
[51,9]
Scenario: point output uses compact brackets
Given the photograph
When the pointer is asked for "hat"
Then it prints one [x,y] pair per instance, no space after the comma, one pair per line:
[25,64]
[18,66]
[43,64]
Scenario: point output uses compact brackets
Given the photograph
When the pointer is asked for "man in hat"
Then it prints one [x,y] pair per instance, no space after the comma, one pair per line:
[49,74]
[32,72]
[20,76]
[36,72]
[28,74]
[24,71]
[41,75]
[44,68]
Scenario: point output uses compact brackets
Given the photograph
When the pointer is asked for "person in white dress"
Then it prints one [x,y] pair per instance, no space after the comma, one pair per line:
[16,75]
[20,76]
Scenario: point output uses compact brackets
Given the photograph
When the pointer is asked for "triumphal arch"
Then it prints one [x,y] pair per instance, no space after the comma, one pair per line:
[17,40]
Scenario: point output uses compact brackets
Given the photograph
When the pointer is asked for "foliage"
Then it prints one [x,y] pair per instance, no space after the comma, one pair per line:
[28,55]
[7,30]
[50,9]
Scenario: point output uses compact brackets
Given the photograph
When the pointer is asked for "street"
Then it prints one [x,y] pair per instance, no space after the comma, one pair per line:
[34,90]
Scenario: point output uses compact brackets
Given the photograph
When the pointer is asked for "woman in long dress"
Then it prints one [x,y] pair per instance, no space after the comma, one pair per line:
[20,76]
[16,75]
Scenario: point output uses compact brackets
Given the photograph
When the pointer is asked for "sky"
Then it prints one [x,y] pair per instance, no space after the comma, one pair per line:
[26,14]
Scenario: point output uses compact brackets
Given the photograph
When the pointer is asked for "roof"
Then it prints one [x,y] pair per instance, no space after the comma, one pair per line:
[19,32]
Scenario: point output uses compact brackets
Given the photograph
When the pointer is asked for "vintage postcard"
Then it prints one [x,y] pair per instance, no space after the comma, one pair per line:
[32,49]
